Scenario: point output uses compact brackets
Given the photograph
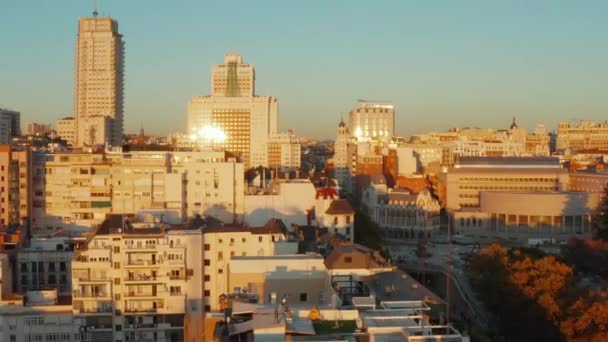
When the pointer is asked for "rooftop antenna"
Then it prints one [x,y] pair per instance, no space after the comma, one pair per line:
[95,13]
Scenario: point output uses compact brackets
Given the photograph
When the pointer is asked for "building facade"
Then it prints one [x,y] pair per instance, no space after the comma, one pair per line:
[584,135]
[233,116]
[372,120]
[98,88]
[66,130]
[136,282]
[81,188]
[223,243]
[10,125]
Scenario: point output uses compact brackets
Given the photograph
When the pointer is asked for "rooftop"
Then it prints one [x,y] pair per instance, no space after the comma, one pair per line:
[339,207]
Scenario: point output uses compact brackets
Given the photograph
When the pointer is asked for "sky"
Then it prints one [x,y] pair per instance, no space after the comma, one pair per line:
[442,63]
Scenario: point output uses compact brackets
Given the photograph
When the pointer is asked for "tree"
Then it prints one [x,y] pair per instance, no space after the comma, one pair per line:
[599,220]
[587,319]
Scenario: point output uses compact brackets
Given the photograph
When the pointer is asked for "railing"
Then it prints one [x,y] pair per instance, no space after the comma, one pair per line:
[141,277]
[96,310]
[142,263]
[90,295]
[144,309]
[94,278]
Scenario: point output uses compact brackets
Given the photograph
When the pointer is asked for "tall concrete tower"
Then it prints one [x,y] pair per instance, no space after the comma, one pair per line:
[98,86]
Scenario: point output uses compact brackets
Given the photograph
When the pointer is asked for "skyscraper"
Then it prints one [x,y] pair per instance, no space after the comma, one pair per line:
[233,116]
[98,88]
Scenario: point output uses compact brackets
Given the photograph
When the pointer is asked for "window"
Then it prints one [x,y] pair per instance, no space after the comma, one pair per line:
[220,271]
[117,265]
[175,290]
[118,327]
[207,308]
[206,247]
[220,256]
[207,293]
[62,266]
[116,249]
[207,262]
[51,267]
[52,279]
[207,277]
[348,219]
[336,220]
[116,281]
[303,297]
[260,239]
[348,260]
[23,267]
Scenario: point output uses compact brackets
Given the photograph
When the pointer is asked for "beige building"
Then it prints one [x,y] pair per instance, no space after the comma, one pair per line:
[98,88]
[525,217]
[139,281]
[300,279]
[66,130]
[588,181]
[372,120]
[284,152]
[584,135]
[471,175]
[233,116]
[35,128]
[81,188]
[223,243]
[38,316]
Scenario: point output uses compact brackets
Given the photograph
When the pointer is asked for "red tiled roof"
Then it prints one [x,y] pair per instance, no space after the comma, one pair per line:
[326,192]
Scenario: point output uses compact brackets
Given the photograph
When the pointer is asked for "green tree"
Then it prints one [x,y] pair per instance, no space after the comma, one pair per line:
[599,220]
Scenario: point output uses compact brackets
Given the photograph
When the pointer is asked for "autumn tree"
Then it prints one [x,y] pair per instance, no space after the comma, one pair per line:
[587,319]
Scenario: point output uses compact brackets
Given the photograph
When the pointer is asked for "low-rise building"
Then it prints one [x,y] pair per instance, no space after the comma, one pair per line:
[66,130]
[520,217]
[39,316]
[300,279]
[222,243]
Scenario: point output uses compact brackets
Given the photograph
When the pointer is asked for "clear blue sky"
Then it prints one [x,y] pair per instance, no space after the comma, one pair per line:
[443,63]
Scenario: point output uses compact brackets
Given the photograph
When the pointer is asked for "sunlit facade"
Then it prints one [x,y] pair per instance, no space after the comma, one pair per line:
[372,120]
[233,117]
[98,87]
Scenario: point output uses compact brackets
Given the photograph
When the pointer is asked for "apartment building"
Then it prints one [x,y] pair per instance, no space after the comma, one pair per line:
[10,125]
[21,185]
[45,263]
[224,242]
[81,188]
[139,281]
[284,152]
[583,135]
[66,130]
[38,316]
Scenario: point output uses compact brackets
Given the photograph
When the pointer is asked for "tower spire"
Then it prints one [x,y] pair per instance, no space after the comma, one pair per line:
[95,13]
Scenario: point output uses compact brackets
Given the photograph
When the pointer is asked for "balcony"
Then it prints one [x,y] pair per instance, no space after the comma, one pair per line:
[94,279]
[78,294]
[97,310]
[130,310]
[143,295]
[148,263]
[142,278]
[141,247]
